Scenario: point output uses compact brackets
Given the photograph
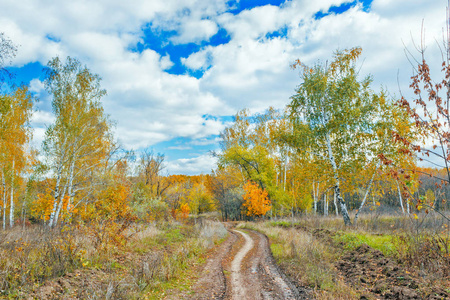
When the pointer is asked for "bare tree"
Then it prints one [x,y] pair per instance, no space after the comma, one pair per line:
[431,113]
[150,169]
[7,52]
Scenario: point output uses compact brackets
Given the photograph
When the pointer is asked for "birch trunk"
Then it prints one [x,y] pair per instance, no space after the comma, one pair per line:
[314,197]
[367,193]
[337,186]
[285,171]
[70,193]
[4,200]
[55,198]
[11,204]
[60,205]
[325,204]
[400,198]
[335,204]
[67,188]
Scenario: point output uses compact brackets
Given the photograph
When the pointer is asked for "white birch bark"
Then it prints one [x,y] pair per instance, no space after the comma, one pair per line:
[367,192]
[335,203]
[60,205]
[337,187]
[11,204]
[70,192]
[316,191]
[285,171]
[55,197]
[4,200]
[400,198]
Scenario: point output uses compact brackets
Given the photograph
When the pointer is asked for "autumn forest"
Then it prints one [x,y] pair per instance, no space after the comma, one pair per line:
[341,167]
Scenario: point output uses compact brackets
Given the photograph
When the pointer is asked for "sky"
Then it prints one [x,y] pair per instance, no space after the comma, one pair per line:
[176,71]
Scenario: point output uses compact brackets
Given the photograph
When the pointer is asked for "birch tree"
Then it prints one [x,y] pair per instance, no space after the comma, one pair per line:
[338,111]
[15,114]
[80,140]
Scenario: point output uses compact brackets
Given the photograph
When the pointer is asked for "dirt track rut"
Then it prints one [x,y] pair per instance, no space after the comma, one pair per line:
[243,268]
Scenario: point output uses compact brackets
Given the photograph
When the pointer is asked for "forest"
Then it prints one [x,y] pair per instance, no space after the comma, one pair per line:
[340,161]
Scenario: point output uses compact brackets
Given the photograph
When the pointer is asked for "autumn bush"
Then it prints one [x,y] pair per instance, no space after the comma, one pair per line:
[430,254]
[307,248]
[169,255]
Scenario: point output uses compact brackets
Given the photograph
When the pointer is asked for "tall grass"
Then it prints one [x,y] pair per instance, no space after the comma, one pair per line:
[147,259]
[419,243]
[34,255]
[307,260]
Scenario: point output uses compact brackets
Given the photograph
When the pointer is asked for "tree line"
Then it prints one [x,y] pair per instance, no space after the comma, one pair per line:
[337,146]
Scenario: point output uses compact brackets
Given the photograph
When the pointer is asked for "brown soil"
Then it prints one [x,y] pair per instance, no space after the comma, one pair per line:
[212,284]
[383,277]
[259,277]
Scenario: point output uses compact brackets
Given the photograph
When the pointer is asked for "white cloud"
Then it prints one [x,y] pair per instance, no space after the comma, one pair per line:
[36,86]
[200,164]
[40,120]
[198,60]
[195,31]
[252,70]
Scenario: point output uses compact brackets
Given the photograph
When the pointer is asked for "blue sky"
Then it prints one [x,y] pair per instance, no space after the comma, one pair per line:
[176,71]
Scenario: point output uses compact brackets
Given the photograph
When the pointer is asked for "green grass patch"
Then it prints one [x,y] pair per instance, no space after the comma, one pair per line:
[277,250]
[283,223]
[351,240]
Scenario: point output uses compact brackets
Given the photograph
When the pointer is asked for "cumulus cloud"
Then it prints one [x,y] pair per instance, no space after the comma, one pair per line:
[194,31]
[191,166]
[250,70]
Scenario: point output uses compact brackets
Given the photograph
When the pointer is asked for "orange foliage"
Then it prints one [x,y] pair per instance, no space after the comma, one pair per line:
[182,213]
[256,200]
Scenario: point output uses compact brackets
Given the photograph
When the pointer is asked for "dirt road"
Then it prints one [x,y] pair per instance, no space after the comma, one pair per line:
[243,268]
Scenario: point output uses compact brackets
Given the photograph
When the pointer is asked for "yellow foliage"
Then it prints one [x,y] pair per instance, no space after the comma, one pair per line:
[41,207]
[113,202]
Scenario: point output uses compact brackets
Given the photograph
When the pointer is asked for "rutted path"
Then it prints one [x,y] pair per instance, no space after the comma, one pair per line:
[243,268]
[237,286]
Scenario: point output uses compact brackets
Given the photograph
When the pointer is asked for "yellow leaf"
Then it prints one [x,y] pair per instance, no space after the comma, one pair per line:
[415,216]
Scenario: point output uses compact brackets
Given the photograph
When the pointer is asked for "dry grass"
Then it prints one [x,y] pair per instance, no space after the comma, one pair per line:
[79,263]
[34,255]
[307,260]
[421,243]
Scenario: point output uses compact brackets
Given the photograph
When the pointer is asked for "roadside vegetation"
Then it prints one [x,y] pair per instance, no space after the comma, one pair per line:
[145,261]
[384,256]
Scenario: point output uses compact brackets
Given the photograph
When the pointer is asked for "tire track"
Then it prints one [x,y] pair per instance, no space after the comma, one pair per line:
[243,268]
[238,290]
